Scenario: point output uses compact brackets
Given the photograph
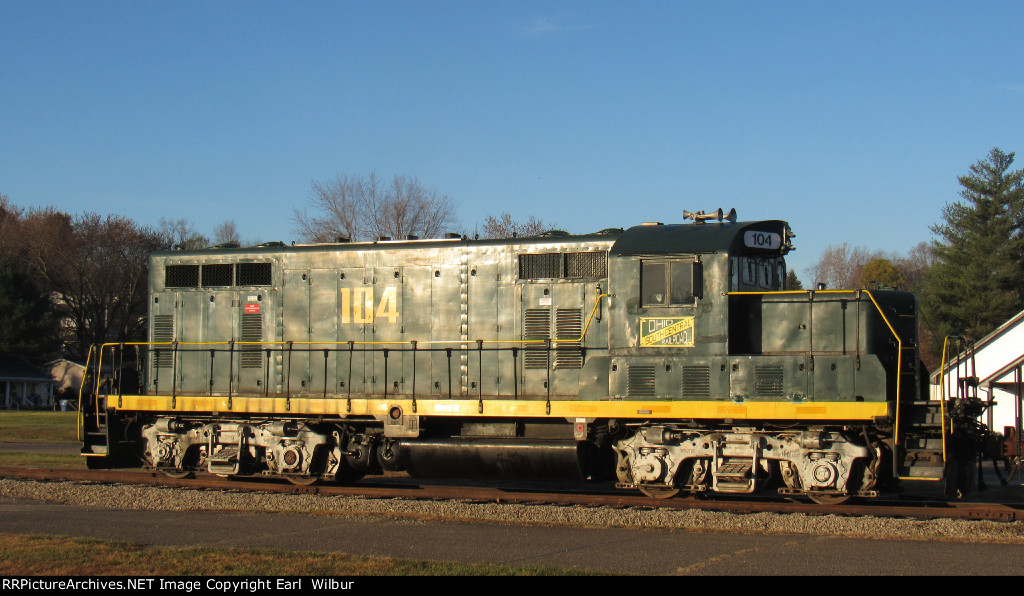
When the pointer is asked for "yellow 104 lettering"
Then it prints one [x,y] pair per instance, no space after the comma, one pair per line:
[358,305]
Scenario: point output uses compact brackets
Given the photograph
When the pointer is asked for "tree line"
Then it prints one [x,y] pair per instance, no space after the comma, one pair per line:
[970,277]
[71,281]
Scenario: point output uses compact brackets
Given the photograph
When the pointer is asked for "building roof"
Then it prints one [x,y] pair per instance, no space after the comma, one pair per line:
[16,368]
[1007,341]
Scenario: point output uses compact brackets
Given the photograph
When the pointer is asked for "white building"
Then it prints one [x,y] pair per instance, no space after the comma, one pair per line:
[997,362]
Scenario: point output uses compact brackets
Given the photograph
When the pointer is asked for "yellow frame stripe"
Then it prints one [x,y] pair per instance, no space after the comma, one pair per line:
[339,406]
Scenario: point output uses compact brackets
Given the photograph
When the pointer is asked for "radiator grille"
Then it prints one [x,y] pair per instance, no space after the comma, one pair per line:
[253,274]
[181,276]
[540,266]
[586,264]
[571,265]
[218,275]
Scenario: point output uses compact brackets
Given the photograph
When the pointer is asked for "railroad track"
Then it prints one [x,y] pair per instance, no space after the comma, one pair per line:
[408,489]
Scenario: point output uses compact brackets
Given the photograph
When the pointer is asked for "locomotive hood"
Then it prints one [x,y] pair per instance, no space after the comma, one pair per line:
[771,236]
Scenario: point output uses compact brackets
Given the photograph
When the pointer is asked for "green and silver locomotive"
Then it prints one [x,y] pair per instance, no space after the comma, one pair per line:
[666,357]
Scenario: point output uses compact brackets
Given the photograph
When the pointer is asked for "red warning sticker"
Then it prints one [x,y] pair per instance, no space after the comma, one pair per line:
[252,308]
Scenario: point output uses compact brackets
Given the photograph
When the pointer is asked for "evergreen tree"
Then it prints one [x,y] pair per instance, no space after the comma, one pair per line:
[27,326]
[977,279]
[793,282]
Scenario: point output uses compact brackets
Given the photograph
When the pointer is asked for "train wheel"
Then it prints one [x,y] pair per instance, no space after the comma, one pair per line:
[177,474]
[302,480]
[828,499]
[661,492]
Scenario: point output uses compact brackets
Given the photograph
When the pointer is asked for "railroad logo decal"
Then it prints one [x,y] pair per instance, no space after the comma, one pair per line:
[657,332]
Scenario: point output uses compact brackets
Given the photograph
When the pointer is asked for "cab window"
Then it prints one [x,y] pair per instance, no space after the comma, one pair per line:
[758,273]
[670,282]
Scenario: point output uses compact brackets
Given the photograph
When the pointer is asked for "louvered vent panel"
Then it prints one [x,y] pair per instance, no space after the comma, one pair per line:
[252,331]
[768,381]
[696,382]
[640,380]
[536,326]
[568,325]
[163,332]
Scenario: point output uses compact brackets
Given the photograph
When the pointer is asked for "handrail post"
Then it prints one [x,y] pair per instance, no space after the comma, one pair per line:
[515,373]
[414,376]
[449,351]
[479,375]
[212,353]
[385,373]
[231,369]
[547,384]
[174,374]
[266,375]
[325,373]
[348,382]
[288,383]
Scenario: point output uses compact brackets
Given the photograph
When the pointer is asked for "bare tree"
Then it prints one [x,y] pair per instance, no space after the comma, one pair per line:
[336,210]
[363,208]
[226,233]
[504,226]
[180,234]
[839,266]
[96,268]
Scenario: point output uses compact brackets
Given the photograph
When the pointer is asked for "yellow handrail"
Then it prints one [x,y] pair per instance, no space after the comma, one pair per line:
[81,418]
[581,338]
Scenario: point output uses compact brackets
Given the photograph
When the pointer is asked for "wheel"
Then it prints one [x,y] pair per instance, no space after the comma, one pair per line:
[828,499]
[176,473]
[660,492]
[302,480]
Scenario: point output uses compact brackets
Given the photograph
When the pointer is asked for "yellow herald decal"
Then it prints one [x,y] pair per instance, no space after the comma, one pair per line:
[656,332]
[357,305]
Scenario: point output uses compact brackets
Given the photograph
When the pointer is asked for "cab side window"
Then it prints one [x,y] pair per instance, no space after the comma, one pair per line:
[670,282]
[758,274]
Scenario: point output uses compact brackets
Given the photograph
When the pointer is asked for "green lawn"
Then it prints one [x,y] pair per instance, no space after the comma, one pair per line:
[20,426]
[61,556]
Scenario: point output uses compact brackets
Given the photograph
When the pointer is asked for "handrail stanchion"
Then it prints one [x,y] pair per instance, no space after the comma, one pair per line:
[414,376]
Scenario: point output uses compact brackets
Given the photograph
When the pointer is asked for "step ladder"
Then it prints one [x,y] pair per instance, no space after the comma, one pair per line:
[922,448]
[734,475]
[226,462]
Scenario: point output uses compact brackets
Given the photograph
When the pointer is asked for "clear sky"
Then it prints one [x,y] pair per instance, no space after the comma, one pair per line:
[851,120]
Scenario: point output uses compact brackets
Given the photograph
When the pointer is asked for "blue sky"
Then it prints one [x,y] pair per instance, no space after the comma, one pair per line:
[851,120]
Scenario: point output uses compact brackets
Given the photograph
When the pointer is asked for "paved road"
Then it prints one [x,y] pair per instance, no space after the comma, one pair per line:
[619,551]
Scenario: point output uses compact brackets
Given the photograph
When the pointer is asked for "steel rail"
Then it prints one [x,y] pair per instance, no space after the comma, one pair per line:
[416,490]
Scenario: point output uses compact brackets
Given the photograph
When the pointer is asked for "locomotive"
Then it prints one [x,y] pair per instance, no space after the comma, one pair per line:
[666,358]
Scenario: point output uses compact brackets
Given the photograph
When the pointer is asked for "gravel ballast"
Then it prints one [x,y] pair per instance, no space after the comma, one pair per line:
[146,498]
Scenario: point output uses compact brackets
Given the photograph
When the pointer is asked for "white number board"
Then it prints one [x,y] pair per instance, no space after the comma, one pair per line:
[755,239]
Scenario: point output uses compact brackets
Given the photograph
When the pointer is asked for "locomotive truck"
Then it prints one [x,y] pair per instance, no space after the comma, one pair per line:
[667,358]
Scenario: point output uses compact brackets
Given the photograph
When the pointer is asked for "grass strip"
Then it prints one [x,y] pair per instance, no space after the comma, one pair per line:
[35,555]
[39,426]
